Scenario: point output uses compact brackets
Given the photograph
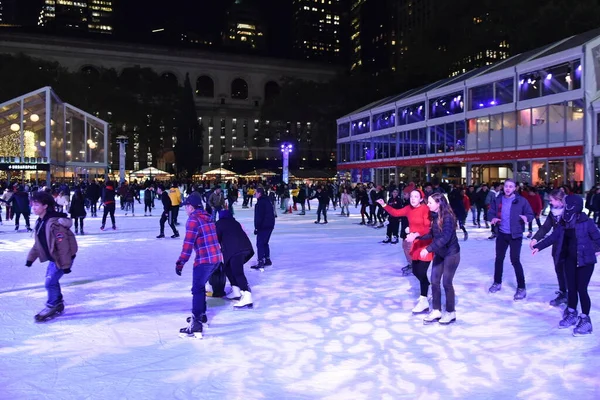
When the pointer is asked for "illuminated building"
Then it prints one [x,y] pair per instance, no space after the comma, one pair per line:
[318,29]
[244,28]
[93,16]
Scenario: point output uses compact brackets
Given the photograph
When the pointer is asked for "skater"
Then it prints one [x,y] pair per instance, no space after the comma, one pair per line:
[418,221]
[577,240]
[93,194]
[108,201]
[362,198]
[148,200]
[19,203]
[535,202]
[446,257]
[77,210]
[54,242]
[302,199]
[175,195]
[510,213]
[237,250]
[167,214]
[394,222]
[456,198]
[200,237]
[264,223]
[323,199]
[557,207]
[345,201]
[216,202]
[482,205]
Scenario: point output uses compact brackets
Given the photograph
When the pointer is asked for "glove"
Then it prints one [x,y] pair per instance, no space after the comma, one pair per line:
[178,269]
[29,263]
[256,231]
[67,271]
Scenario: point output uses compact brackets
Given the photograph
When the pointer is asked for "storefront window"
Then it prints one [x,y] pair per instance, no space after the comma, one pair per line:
[384,120]
[575,172]
[539,173]
[556,123]
[575,120]
[421,135]
[496,131]
[524,127]
[509,129]
[523,173]
[438,139]
[460,137]
[483,133]
[449,104]
[539,128]
[472,134]
[556,172]
[393,145]
[344,130]
[450,138]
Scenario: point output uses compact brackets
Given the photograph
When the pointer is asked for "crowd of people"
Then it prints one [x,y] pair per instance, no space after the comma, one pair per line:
[424,218]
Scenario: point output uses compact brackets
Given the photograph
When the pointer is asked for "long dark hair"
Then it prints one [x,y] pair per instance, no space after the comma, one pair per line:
[445,210]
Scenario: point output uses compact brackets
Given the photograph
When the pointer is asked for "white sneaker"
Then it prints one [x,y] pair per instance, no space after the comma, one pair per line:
[422,305]
[448,318]
[235,293]
[245,301]
[433,316]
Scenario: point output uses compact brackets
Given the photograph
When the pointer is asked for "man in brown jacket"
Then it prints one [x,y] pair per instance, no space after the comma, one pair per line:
[54,242]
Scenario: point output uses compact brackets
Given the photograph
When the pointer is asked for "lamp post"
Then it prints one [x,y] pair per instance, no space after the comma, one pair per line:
[286,149]
[122,140]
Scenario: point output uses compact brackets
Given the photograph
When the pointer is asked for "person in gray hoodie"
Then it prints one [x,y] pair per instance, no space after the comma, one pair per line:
[510,213]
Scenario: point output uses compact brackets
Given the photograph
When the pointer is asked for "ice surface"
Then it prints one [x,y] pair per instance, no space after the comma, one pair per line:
[331,320]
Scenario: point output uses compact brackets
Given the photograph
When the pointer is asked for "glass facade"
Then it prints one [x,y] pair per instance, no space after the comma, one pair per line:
[360,126]
[384,120]
[411,114]
[449,104]
[556,79]
[491,94]
[344,130]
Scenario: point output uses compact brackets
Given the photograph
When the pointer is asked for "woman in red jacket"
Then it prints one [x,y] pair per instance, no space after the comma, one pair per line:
[418,221]
[535,201]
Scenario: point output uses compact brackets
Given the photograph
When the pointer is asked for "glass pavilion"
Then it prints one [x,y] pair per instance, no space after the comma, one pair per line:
[41,137]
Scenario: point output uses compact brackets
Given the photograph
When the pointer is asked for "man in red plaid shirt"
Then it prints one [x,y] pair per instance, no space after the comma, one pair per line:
[201,237]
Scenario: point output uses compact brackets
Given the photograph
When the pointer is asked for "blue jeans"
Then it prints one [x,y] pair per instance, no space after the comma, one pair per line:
[53,274]
[202,273]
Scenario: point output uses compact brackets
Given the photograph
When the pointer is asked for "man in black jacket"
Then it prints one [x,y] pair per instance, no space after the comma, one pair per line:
[167,214]
[264,223]
[237,250]
[323,198]
[20,206]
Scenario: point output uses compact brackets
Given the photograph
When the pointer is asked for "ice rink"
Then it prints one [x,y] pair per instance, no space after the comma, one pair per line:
[331,320]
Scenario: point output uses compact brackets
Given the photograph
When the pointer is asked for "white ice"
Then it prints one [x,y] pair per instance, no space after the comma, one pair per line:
[332,320]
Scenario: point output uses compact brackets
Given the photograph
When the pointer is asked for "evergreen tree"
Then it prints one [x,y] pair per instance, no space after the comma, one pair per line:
[188,149]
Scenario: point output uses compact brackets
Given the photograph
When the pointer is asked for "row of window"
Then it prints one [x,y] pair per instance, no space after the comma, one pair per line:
[557,79]
[555,123]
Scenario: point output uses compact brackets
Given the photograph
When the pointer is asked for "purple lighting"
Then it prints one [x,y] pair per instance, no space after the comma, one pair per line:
[579,68]
[481,104]
[548,77]
[493,103]
[522,81]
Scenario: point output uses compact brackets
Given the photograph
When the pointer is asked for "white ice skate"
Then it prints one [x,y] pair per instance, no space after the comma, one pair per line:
[422,305]
[235,293]
[245,301]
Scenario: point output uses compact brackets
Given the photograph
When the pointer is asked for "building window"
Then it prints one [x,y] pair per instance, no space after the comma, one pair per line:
[360,126]
[449,104]
[344,130]
[491,94]
[205,87]
[384,120]
[412,113]
[239,89]
[552,80]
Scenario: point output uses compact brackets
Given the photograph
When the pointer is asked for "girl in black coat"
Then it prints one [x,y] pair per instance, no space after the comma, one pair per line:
[77,210]
[446,257]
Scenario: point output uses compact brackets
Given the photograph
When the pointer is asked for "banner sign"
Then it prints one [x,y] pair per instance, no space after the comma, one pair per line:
[24,167]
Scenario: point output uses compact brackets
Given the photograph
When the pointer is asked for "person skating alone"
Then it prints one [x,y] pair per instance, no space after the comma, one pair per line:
[237,250]
[19,203]
[510,213]
[264,223]
[167,214]
[323,199]
[577,240]
[148,200]
[201,238]
[54,242]
[77,210]
[446,257]
[108,201]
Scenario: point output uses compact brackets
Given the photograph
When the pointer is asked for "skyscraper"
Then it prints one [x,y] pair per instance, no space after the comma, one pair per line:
[8,12]
[318,30]
[244,27]
[91,16]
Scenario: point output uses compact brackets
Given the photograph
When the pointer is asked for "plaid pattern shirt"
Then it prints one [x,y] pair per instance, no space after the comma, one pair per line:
[200,236]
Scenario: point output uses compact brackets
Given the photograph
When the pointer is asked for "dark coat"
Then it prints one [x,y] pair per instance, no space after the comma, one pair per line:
[93,192]
[233,239]
[322,197]
[588,241]
[445,242]
[20,203]
[77,207]
[166,201]
[457,204]
[264,217]
[519,206]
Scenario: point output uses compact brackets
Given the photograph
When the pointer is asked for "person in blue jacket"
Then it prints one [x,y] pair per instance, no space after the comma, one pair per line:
[576,239]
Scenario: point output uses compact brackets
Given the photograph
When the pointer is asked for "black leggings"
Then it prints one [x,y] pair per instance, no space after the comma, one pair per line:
[445,267]
[578,279]
[78,223]
[420,271]
[109,209]
[234,269]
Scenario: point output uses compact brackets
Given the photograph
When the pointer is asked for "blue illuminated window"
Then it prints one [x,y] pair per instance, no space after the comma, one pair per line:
[449,104]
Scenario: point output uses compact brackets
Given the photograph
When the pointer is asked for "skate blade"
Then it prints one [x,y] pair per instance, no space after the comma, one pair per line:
[448,323]
[431,322]
[581,334]
[46,319]
[232,298]
[421,312]
[246,307]
[195,335]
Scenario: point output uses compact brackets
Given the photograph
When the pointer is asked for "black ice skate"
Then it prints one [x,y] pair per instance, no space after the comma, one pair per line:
[193,330]
[268,262]
[49,313]
[260,265]
[561,298]
[407,270]
[387,240]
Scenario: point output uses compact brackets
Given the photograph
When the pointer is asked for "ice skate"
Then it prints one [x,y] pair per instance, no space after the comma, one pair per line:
[235,293]
[193,330]
[162,235]
[395,241]
[561,298]
[422,305]
[49,313]
[29,229]
[102,228]
[529,235]
[406,271]
[448,318]
[260,265]
[387,240]
[584,326]
[245,301]
[268,262]
[203,319]
[520,294]
[433,316]
[76,231]
[114,227]
[569,319]
[496,287]
[465,236]
[175,235]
